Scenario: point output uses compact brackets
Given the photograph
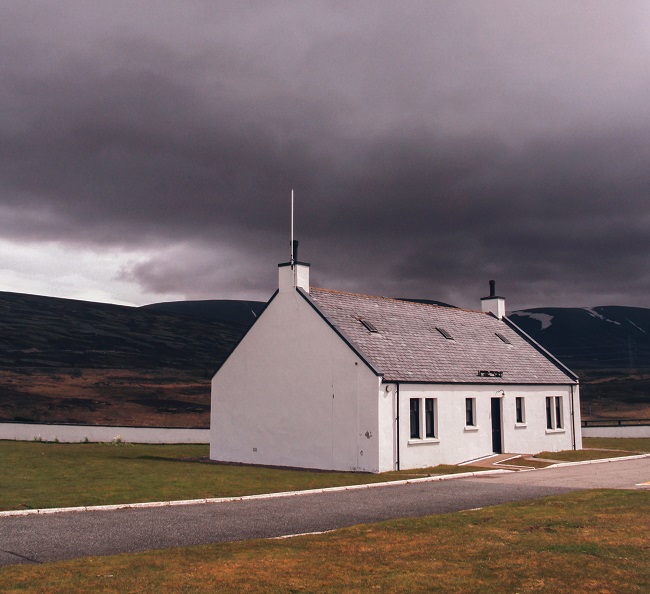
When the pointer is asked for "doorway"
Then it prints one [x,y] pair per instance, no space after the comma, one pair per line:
[497,447]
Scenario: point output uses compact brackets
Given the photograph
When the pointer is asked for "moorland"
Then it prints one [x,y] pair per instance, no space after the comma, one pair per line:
[70,361]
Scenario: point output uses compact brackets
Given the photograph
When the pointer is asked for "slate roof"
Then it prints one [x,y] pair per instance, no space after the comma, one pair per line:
[407,346]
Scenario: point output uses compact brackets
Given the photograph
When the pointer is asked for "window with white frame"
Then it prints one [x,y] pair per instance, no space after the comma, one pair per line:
[554,419]
[415,418]
[520,410]
[423,418]
[430,418]
[470,412]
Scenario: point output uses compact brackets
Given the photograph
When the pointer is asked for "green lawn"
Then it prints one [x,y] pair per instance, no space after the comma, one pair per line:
[590,541]
[40,475]
[606,447]
[637,444]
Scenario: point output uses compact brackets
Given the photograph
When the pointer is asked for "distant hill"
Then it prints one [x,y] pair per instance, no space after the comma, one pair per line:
[230,311]
[64,360]
[597,338]
[38,331]
[608,347]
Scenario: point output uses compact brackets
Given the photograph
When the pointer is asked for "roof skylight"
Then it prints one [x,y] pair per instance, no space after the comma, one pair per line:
[445,333]
[369,326]
[503,338]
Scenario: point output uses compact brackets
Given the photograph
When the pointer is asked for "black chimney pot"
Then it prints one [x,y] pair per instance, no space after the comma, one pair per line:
[295,250]
[493,291]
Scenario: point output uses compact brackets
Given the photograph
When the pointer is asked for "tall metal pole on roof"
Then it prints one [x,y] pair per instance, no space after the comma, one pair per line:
[292,259]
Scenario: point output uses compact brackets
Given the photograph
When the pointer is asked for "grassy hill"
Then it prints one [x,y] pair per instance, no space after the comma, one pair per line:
[230,311]
[64,360]
[47,332]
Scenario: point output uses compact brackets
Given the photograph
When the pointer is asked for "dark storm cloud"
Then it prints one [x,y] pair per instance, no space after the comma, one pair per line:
[432,145]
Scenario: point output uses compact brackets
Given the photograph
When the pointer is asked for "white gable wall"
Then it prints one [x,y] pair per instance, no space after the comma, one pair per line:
[455,442]
[294,394]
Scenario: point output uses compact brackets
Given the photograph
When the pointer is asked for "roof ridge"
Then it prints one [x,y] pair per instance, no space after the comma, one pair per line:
[397,300]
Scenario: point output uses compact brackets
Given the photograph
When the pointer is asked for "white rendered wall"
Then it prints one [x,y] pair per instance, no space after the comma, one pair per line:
[99,434]
[387,402]
[623,431]
[533,436]
[457,443]
[294,394]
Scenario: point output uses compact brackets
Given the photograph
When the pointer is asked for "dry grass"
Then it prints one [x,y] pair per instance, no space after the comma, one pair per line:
[595,541]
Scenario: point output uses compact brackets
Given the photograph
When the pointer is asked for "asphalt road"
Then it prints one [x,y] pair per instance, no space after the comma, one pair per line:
[53,537]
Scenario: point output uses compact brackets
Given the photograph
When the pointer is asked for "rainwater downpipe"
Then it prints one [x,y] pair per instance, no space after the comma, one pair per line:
[397,421]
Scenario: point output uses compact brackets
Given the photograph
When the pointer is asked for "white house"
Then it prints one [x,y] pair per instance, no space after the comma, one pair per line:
[333,380]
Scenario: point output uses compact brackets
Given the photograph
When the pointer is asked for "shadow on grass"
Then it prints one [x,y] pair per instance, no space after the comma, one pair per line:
[161,459]
[206,460]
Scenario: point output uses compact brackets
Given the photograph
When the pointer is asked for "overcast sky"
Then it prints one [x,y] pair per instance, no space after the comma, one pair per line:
[148,148]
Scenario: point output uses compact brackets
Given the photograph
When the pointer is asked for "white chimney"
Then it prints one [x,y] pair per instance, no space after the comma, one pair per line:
[293,274]
[494,304]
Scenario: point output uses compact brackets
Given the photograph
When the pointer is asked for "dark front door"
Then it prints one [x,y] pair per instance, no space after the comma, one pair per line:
[496,426]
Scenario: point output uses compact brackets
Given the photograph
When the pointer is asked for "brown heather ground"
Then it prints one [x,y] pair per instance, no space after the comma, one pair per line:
[603,409]
[181,398]
[132,397]
[616,394]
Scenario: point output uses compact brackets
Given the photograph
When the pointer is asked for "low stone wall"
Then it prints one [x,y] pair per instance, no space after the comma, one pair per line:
[94,433]
[617,431]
